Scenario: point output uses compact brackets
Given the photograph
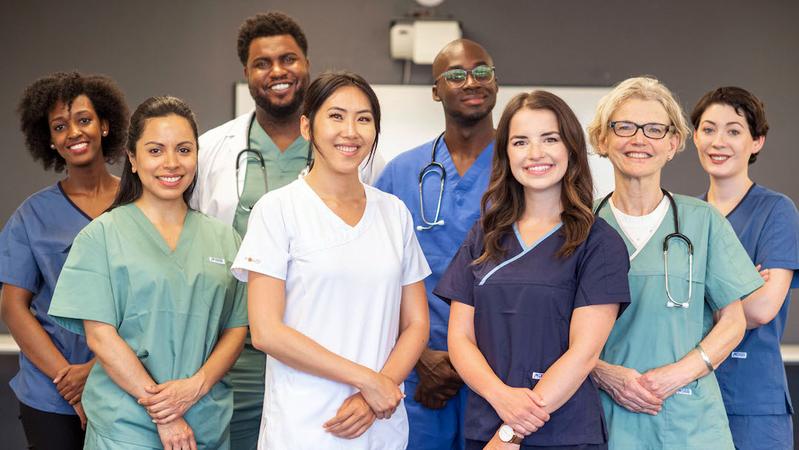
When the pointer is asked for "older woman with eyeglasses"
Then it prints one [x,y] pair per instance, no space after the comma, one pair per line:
[687,275]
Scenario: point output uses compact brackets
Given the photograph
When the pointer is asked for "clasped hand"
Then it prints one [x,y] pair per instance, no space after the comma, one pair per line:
[521,408]
[438,379]
[642,393]
[170,400]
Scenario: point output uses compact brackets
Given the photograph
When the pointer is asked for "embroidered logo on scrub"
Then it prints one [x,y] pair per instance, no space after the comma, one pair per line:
[252,260]
[216,260]
[739,355]
[537,375]
[685,391]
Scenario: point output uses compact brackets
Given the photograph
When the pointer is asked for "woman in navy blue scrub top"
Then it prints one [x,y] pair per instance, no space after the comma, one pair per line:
[535,288]
[731,128]
[76,123]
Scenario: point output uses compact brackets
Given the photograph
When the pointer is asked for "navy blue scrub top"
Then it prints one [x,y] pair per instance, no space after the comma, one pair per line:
[523,309]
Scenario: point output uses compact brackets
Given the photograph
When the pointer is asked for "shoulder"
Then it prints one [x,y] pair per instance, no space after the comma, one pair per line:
[41,199]
[773,201]
[283,197]
[225,129]
[603,235]
[693,208]
[411,159]
[212,225]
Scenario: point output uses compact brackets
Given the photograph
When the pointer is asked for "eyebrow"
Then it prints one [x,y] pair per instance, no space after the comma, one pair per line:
[338,108]
[728,123]
[460,66]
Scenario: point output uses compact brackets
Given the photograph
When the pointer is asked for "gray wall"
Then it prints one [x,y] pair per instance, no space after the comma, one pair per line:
[187,49]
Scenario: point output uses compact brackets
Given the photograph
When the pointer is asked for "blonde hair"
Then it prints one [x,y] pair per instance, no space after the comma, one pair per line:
[645,88]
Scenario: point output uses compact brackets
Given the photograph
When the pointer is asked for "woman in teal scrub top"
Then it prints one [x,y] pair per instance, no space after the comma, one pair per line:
[656,370]
[149,285]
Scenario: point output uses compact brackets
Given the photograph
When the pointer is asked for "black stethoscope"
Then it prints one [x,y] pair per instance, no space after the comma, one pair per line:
[432,167]
[676,235]
[256,156]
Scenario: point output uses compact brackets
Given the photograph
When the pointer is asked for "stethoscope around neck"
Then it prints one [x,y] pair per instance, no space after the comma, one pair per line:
[671,303]
[255,155]
[433,167]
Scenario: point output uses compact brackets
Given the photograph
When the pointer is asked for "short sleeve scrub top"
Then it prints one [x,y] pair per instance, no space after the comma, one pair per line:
[522,312]
[170,307]
[343,290]
[651,334]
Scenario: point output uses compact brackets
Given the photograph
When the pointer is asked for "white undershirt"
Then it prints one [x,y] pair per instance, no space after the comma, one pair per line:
[639,229]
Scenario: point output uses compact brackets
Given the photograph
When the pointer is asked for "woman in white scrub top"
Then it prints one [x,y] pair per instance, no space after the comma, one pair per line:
[335,292]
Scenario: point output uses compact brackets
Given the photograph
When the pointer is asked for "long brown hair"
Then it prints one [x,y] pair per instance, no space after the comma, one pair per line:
[503,203]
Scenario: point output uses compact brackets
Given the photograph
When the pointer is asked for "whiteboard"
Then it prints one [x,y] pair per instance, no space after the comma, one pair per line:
[411,117]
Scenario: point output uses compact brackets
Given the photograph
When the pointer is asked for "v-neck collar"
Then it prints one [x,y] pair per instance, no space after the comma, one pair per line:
[152,232]
[474,171]
[740,202]
[631,250]
[525,249]
[335,217]
[71,203]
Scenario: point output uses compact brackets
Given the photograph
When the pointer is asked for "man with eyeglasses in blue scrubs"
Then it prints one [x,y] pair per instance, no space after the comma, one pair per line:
[454,177]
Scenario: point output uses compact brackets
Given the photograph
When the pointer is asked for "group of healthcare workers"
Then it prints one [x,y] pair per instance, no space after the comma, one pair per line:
[477,297]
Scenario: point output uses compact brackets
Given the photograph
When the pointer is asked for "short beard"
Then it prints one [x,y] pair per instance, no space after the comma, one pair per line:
[469,120]
[279,111]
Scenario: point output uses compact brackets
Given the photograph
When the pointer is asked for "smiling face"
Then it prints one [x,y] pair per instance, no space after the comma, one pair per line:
[165,159]
[343,131]
[76,132]
[537,155]
[724,142]
[277,74]
[638,156]
[473,101]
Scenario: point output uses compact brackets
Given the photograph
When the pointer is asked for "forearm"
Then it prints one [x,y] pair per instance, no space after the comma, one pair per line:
[33,340]
[473,367]
[760,307]
[118,359]
[410,344]
[300,352]
[564,377]
[725,335]
[222,358]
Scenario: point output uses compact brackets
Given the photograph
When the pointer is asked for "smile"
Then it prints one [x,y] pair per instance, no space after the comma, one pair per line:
[347,149]
[719,158]
[280,87]
[79,147]
[538,169]
[637,155]
[170,181]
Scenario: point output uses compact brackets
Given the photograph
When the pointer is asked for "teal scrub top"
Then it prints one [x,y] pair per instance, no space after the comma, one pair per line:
[170,307]
[649,334]
[281,168]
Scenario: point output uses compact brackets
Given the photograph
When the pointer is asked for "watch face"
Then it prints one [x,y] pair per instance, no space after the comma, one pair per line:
[506,433]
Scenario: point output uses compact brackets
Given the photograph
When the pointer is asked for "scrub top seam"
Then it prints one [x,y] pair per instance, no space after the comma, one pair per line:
[524,252]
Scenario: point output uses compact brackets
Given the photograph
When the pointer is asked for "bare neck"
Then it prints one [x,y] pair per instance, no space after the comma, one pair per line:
[637,196]
[726,193]
[93,179]
[162,212]
[543,207]
[331,185]
[282,130]
[466,142]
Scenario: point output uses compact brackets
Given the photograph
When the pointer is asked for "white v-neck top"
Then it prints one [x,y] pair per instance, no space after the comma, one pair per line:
[639,229]
[343,290]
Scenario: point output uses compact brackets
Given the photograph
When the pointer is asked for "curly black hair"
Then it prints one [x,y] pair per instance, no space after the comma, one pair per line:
[40,97]
[267,25]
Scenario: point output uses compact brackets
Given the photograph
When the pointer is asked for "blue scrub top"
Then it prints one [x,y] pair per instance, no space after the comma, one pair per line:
[523,309]
[752,379]
[460,207]
[33,247]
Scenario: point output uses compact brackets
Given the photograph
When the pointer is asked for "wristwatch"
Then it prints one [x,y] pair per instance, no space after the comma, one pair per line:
[508,436]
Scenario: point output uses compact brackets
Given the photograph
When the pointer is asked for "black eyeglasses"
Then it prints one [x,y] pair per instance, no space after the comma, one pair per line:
[623,128]
[456,78]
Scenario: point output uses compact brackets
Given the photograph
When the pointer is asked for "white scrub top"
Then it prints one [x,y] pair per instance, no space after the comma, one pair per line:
[343,290]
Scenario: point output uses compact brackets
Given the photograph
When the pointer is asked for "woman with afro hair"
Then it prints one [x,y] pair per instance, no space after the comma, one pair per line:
[74,122]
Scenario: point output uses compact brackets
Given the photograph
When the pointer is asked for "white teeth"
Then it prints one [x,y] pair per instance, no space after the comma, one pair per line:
[280,87]
[81,146]
[637,155]
[719,157]
[538,168]
[170,179]
[346,148]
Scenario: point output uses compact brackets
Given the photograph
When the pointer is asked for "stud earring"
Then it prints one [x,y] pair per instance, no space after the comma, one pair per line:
[105,133]
[52,146]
